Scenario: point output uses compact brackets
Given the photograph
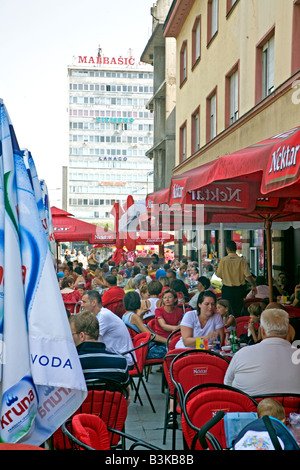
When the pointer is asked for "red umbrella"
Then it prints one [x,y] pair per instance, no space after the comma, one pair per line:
[67,228]
[258,183]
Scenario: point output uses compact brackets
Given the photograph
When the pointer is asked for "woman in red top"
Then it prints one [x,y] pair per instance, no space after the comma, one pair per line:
[69,294]
[169,316]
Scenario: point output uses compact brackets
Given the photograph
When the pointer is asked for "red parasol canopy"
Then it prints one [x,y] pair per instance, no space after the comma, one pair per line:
[67,228]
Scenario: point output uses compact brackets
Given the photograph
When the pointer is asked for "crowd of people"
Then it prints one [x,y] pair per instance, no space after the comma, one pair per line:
[164,297]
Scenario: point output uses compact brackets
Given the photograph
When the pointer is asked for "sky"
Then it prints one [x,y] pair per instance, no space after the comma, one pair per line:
[38,40]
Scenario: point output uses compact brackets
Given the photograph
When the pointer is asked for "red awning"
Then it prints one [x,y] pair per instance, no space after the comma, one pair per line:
[67,229]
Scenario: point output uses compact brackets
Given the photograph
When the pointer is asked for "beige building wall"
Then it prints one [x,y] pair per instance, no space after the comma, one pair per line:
[238,35]
[240,32]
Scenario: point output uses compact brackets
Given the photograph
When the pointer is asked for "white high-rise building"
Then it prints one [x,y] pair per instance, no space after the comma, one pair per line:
[110,131]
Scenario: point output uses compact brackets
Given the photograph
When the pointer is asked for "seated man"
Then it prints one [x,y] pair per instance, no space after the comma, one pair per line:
[113,297]
[97,363]
[113,332]
[268,366]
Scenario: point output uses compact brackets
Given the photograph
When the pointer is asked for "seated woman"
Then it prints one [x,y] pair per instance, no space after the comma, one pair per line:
[181,273]
[98,282]
[168,316]
[180,288]
[133,318]
[69,294]
[203,284]
[203,322]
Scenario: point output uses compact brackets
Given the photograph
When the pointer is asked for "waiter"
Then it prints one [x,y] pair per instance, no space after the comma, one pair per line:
[233,270]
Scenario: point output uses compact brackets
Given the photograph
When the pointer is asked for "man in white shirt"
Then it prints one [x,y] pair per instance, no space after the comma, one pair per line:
[113,331]
[268,366]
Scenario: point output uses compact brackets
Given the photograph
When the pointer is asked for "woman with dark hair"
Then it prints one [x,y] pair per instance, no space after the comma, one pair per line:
[180,288]
[203,322]
[133,318]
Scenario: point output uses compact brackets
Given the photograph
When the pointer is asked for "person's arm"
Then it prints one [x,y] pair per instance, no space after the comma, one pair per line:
[251,326]
[251,280]
[187,336]
[137,321]
[230,373]
[165,326]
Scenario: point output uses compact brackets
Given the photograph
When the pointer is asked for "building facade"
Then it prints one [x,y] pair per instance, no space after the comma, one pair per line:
[238,77]
[110,131]
[161,53]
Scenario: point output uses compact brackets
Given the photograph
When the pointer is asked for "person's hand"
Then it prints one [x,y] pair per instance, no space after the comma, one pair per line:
[297,289]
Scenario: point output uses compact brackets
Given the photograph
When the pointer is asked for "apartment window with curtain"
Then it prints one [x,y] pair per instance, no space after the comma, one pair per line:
[196,41]
[268,68]
[183,63]
[234,97]
[196,130]
[211,116]
[212,19]
[182,143]
[264,75]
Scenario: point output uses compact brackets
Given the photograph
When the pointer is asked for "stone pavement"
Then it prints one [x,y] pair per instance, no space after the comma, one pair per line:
[143,423]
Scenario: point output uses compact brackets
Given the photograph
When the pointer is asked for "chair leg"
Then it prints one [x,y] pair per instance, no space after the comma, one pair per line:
[166,416]
[148,396]
[136,389]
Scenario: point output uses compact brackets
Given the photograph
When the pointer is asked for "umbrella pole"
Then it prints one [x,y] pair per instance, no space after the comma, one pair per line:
[268,225]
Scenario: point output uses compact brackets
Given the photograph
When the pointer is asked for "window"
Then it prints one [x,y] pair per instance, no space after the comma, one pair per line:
[196,41]
[211,116]
[183,63]
[264,75]
[232,96]
[230,5]
[195,131]
[212,19]
[268,68]
[182,143]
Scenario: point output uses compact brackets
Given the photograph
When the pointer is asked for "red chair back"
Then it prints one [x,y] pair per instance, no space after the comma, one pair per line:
[110,406]
[206,402]
[242,325]
[171,354]
[151,324]
[290,403]
[91,430]
[173,339]
[141,352]
[193,367]
[294,312]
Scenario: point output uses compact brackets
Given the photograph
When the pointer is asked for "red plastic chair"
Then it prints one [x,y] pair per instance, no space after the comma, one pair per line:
[193,367]
[89,432]
[139,353]
[294,312]
[171,354]
[290,402]
[173,338]
[73,307]
[106,400]
[242,325]
[202,402]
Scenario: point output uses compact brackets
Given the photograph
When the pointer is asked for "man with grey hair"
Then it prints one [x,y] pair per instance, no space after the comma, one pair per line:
[266,367]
